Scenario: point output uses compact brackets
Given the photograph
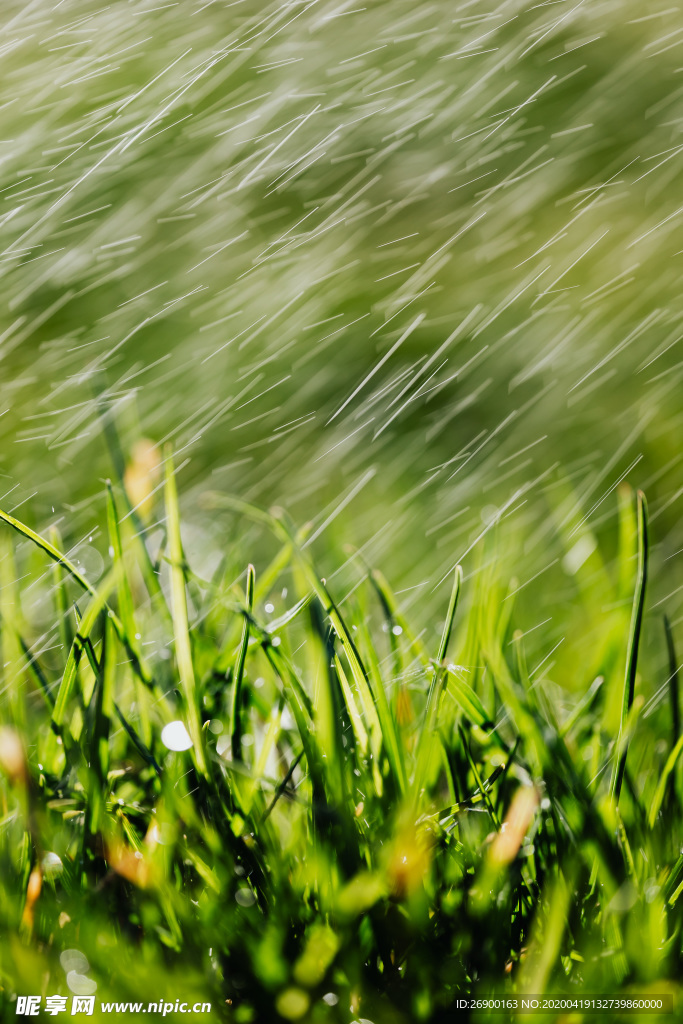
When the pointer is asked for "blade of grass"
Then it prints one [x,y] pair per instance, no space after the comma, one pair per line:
[506,770]
[118,461]
[393,631]
[673,883]
[238,674]
[359,729]
[450,615]
[481,788]
[331,716]
[138,743]
[446,813]
[263,585]
[12,658]
[48,548]
[62,599]
[96,605]
[428,730]
[663,782]
[126,610]
[467,699]
[633,645]
[98,740]
[181,627]
[674,695]
[284,620]
[282,787]
[300,706]
[285,670]
[375,678]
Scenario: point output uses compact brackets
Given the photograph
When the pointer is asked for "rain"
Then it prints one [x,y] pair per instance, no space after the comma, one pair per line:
[409,272]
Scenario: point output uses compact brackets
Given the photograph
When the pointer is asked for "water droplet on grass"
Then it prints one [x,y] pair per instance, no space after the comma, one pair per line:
[175,736]
[72,960]
[52,866]
[80,985]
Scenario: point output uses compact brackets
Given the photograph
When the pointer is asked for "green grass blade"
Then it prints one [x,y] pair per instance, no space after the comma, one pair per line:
[663,782]
[393,629]
[445,815]
[126,611]
[481,788]
[674,693]
[281,787]
[48,548]
[369,708]
[125,599]
[181,627]
[238,674]
[105,699]
[330,713]
[359,729]
[118,462]
[275,625]
[12,654]
[98,739]
[96,605]
[450,614]
[300,706]
[628,539]
[428,730]
[62,598]
[285,671]
[468,701]
[673,883]
[633,645]
[137,741]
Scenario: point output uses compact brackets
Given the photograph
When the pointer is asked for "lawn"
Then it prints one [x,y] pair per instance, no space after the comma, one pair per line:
[243,791]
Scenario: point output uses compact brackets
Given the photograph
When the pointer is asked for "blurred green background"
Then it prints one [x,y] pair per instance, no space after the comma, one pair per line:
[407,269]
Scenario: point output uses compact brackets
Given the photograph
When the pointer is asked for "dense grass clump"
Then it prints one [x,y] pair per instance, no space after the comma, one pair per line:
[308,813]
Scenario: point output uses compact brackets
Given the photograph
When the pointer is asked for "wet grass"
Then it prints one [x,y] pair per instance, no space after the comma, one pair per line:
[251,791]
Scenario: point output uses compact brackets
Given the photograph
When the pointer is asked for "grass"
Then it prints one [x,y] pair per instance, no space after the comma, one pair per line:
[358,826]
